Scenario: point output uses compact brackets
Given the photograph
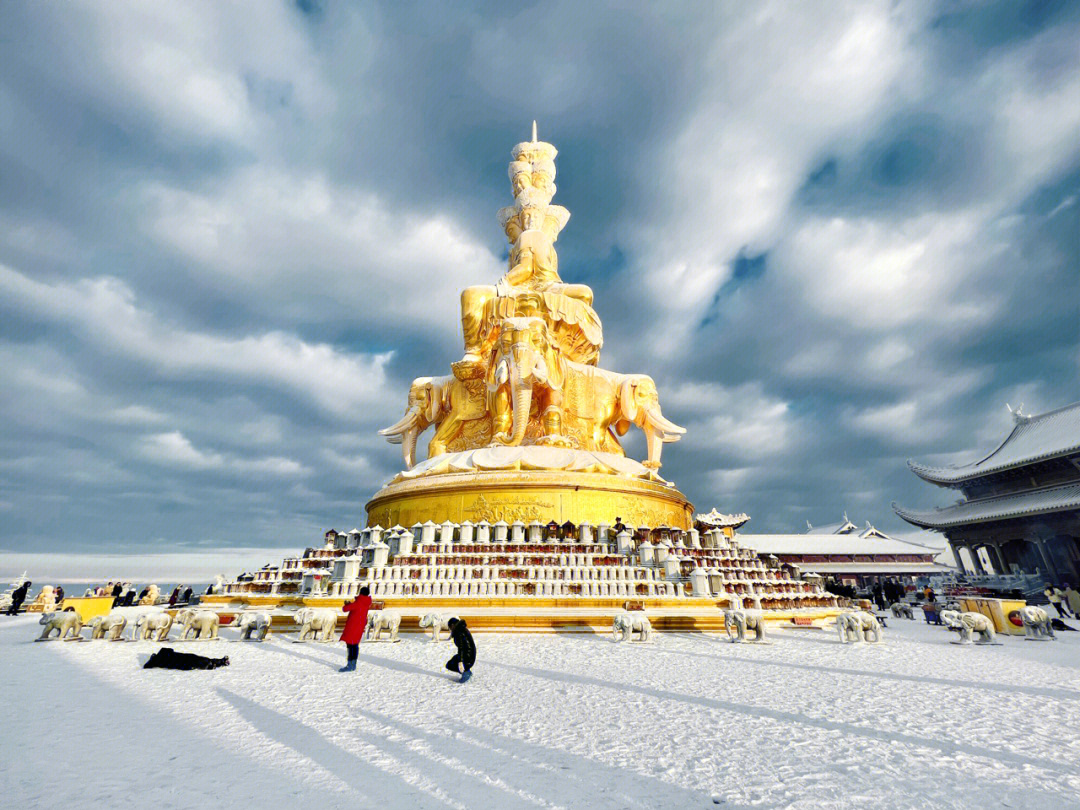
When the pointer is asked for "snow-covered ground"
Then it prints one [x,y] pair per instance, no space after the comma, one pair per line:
[548,721]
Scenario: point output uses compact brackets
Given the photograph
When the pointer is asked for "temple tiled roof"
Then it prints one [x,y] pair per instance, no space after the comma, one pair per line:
[1001,507]
[1034,438]
[884,568]
[809,544]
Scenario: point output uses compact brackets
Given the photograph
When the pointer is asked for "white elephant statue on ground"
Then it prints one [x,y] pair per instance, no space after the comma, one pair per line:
[858,625]
[902,609]
[319,623]
[204,624]
[152,626]
[437,622]
[255,622]
[742,620]
[1037,624]
[112,626]
[627,622]
[66,623]
[968,624]
[379,620]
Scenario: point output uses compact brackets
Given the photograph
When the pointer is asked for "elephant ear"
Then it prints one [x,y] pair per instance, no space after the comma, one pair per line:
[627,402]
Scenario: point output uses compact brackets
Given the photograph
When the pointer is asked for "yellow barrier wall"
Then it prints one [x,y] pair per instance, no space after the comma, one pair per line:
[997,610]
[88,606]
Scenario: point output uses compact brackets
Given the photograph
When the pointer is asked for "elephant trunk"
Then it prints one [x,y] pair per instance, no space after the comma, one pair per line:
[408,447]
[522,397]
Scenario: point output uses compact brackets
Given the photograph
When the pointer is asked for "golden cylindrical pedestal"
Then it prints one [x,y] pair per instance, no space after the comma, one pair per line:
[528,495]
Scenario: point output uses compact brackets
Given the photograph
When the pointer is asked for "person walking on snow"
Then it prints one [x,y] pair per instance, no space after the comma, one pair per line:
[1072,597]
[355,624]
[18,596]
[466,649]
[1054,594]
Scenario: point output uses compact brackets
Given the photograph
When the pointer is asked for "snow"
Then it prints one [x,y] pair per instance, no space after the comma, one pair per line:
[548,721]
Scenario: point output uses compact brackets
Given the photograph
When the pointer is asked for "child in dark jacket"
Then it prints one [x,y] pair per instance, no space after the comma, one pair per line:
[466,649]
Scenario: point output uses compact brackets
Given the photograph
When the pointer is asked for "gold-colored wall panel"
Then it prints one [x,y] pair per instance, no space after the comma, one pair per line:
[527,496]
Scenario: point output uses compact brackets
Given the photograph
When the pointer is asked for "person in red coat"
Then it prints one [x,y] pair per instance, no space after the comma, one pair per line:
[355,624]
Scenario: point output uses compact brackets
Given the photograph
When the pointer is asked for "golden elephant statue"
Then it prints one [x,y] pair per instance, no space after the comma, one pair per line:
[444,402]
[529,373]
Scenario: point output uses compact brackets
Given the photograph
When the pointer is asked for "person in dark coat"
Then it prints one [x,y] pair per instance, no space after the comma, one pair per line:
[466,649]
[174,596]
[58,592]
[117,589]
[355,624]
[18,596]
[187,595]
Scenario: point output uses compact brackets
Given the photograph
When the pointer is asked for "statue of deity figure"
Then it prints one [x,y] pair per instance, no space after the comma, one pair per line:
[530,373]
[532,225]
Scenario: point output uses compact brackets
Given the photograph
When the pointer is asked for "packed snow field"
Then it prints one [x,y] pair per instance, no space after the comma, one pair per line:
[548,721]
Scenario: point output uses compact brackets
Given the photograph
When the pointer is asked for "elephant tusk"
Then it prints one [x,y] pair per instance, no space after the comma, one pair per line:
[663,425]
[400,426]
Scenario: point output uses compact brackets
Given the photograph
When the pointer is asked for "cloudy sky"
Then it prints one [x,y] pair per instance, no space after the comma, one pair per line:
[838,236]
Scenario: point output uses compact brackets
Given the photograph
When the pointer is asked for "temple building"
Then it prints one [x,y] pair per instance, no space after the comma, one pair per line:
[1020,503]
[848,554]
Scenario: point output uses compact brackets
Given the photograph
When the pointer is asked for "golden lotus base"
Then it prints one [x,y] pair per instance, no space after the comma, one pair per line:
[532,614]
[528,495]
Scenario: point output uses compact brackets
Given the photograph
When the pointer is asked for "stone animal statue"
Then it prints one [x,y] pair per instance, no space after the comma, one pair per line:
[902,609]
[1037,624]
[255,622]
[203,623]
[627,622]
[858,625]
[437,622]
[66,623]
[152,626]
[742,620]
[379,620]
[968,624]
[441,401]
[112,626]
[528,372]
[319,623]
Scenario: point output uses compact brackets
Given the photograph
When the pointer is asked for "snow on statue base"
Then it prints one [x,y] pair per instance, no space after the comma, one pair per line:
[437,622]
[319,623]
[626,623]
[743,620]
[969,624]
[380,620]
[856,626]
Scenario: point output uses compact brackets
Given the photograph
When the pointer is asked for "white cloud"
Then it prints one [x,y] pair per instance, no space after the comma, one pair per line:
[104,313]
[173,449]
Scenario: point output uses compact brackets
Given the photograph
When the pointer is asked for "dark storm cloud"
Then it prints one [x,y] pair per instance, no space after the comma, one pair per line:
[837,238]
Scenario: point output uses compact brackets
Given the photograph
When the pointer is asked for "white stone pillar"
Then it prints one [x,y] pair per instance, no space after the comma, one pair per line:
[536,531]
[405,542]
[517,532]
[624,543]
[603,534]
[699,581]
[427,534]
[500,531]
[646,552]
[446,533]
[662,552]
[483,532]
[694,538]
[376,533]
[467,532]
[585,533]
[671,568]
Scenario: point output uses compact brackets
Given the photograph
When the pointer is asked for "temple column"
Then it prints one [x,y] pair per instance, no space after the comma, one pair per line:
[956,547]
[998,557]
[1049,571]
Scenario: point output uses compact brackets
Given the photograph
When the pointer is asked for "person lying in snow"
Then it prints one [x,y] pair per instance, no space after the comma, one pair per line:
[466,649]
[167,658]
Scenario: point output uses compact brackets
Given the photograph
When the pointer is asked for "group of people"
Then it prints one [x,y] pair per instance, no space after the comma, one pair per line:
[887,593]
[356,622]
[1066,601]
[182,594]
